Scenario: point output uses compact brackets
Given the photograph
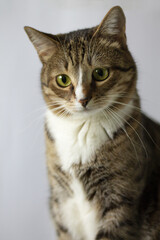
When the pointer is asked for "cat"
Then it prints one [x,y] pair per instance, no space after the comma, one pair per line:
[103,155]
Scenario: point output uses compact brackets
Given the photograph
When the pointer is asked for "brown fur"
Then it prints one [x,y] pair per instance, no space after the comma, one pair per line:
[122,181]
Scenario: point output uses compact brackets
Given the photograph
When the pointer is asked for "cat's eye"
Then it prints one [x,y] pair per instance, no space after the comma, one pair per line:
[100,74]
[63,80]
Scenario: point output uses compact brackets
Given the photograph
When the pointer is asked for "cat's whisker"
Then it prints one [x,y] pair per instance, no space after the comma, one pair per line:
[56,102]
[123,104]
[120,94]
[141,126]
[126,104]
[133,130]
[117,120]
[57,108]
[32,113]
[39,118]
[115,96]
[108,119]
[63,112]
[111,102]
[37,110]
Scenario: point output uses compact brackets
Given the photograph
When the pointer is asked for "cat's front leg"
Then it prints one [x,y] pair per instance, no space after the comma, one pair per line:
[119,224]
[119,235]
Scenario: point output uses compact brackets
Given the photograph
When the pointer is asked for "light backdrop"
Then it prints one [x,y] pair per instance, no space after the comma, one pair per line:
[24,191]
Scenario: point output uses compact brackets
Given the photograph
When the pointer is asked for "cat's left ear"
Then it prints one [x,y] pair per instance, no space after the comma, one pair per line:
[113,23]
[44,45]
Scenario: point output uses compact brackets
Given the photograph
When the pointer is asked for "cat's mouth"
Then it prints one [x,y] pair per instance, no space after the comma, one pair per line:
[83,112]
[85,107]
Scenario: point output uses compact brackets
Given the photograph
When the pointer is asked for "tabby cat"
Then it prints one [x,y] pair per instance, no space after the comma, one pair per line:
[103,154]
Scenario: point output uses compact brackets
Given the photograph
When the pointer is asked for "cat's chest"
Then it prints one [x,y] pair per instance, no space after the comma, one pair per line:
[78,214]
[77,141]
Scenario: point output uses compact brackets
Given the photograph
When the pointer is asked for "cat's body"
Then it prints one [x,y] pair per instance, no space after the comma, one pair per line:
[102,153]
[93,200]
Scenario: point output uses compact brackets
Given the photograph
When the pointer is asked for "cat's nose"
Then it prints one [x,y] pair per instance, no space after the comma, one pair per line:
[84,101]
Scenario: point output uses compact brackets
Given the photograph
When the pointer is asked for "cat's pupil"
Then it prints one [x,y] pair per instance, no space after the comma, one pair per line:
[100,72]
[64,79]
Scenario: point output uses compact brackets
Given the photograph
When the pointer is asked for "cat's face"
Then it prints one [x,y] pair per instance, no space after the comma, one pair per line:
[86,71]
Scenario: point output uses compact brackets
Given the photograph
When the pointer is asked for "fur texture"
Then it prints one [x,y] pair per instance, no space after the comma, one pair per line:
[103,154]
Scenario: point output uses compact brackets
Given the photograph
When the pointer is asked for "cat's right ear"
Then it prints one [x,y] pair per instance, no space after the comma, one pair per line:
[44,45]
[113,24]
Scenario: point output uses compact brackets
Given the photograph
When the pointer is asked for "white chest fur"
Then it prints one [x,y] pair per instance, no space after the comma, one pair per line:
[79,216]
[77,140]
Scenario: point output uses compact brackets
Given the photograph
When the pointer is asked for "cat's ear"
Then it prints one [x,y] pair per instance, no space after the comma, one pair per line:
[44,45]
[113,23]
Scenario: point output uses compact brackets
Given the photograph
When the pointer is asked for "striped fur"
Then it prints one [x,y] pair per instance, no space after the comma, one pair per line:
[103,159]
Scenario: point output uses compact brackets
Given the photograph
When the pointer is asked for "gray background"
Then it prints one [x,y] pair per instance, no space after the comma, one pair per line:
[24,191]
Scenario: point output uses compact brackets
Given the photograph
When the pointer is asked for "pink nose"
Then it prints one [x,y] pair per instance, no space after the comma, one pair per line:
[84,101]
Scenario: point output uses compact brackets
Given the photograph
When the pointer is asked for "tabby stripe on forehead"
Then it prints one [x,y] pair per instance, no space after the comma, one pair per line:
[83,52]
[70,53]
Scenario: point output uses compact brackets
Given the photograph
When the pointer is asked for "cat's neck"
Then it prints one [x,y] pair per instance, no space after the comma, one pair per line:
[112,120]
[78,139]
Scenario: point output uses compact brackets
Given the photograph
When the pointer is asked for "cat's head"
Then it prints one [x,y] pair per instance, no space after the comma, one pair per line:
[88,70]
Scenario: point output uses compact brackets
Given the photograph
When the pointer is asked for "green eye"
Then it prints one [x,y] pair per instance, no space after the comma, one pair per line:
[100,74]
[63,80]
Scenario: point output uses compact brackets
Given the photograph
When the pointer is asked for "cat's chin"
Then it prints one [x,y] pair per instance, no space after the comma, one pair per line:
[85,113]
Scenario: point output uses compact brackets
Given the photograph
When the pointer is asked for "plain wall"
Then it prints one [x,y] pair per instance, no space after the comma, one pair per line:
[24,190]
